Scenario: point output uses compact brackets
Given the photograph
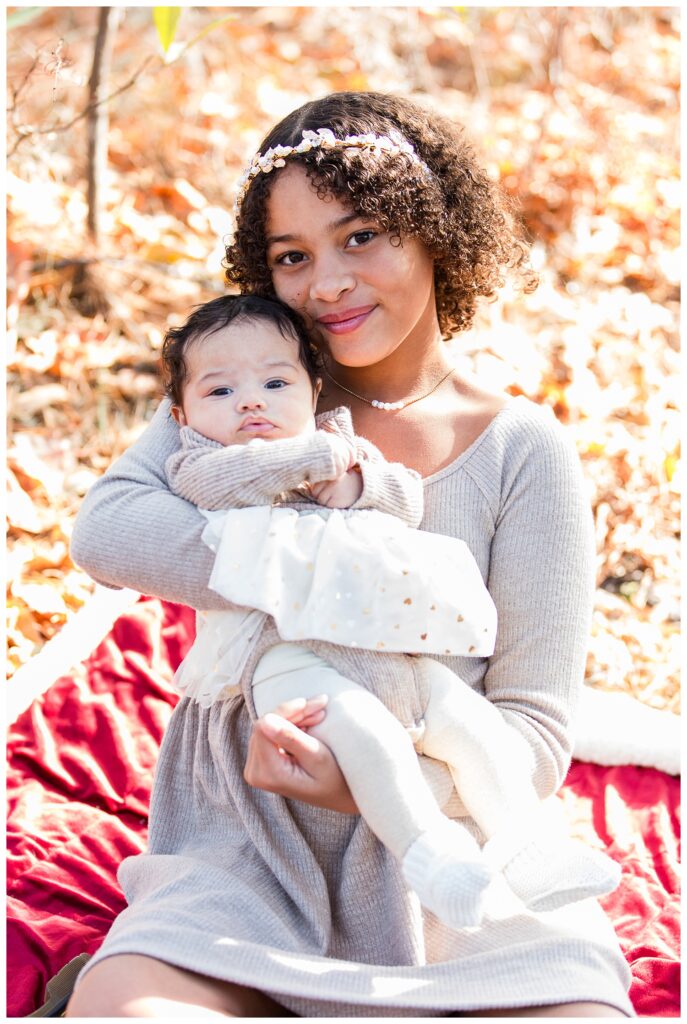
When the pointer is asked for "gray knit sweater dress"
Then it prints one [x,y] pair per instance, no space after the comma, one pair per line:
[306,904]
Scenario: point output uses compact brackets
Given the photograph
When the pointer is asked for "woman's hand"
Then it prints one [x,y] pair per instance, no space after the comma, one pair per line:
[283,758]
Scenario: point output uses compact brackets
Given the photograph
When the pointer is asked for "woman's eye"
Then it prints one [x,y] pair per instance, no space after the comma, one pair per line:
[361,238]
[289,259]
[276,384]
[221,392]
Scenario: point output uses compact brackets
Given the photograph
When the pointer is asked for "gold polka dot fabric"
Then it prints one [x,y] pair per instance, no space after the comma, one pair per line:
[359,578]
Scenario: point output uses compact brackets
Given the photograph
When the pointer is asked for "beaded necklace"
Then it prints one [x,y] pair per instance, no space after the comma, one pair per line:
[389,406]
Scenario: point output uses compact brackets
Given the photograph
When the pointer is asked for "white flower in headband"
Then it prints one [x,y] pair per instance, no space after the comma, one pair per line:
[323,138]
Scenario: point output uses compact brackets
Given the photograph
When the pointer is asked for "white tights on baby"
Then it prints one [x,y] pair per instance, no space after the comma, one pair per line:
[491,767]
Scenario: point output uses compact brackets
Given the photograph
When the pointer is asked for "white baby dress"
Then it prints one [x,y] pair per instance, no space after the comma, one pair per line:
[358,578]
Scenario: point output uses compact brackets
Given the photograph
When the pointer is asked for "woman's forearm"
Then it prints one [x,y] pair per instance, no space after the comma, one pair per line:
[542,581]
[146,539]
[133,532]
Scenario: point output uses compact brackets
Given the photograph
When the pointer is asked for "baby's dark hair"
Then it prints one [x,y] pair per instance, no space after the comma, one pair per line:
[218,313]
[466,222]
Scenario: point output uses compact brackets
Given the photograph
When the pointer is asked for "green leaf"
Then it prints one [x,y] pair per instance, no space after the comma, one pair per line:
[203,32]
[23,16]
[166,19]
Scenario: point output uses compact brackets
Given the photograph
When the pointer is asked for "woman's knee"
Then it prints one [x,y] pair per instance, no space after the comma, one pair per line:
[140,986]
[578,1010]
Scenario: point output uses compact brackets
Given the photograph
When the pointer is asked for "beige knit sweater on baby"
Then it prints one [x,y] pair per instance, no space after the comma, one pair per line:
[214,477]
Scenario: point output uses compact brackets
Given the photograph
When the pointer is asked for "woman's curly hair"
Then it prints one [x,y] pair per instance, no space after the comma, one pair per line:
[466,222]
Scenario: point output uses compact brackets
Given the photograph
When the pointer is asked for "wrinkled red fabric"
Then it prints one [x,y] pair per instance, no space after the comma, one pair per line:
[81,762]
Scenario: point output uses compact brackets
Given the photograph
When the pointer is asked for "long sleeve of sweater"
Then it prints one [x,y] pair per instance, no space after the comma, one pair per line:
[388,487]
[131,531]
[540,569]
[517,499]
[213,476]
[131,509]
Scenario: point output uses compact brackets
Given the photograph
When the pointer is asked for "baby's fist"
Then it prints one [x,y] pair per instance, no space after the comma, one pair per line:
[343,452]
[340,493]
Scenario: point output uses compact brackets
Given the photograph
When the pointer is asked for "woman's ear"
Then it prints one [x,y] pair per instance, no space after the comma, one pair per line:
[178,414]
[316,392]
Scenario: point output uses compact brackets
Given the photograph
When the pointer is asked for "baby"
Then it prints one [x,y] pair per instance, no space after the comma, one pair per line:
[315,539]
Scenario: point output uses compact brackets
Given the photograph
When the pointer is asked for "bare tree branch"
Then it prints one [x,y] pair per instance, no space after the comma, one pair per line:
[25,133]
[16,90]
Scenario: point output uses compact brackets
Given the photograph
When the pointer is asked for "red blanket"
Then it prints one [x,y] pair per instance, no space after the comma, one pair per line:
[80,768]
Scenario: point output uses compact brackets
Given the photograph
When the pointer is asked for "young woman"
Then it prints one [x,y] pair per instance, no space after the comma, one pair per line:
[372,219]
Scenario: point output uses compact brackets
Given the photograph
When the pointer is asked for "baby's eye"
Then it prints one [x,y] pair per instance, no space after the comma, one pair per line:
[359,238]
[289,259]
[220,392]
[276,384]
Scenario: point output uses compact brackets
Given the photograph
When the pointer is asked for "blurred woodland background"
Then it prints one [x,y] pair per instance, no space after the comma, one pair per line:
[575,110]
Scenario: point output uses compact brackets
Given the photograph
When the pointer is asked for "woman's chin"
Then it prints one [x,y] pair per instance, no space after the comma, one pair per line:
[357,358]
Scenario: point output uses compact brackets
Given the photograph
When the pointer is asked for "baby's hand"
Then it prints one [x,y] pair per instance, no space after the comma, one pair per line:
[341,493]
[343,452]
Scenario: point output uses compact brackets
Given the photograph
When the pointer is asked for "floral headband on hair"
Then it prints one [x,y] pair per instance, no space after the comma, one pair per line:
[323,138]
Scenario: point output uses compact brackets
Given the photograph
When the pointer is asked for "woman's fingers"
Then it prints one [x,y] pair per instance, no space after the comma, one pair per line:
[288,737]
[276,753]
[286,760]
[303,712]
[313,719]
[314,712]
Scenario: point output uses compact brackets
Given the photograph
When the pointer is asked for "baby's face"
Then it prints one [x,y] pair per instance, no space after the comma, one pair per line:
[246,381]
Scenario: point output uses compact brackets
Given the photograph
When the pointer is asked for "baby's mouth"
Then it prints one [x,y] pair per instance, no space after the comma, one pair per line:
[257,426]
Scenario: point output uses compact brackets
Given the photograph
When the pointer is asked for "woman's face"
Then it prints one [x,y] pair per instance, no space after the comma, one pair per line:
[365,296]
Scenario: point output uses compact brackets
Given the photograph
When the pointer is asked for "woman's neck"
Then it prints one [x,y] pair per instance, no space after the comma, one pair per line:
[406,373]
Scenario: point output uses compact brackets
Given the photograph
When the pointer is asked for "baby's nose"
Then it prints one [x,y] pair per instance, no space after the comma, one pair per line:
[251,401]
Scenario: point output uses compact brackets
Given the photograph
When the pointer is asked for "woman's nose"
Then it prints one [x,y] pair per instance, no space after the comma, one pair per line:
[330,280]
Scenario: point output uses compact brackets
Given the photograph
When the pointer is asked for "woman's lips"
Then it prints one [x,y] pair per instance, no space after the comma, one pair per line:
[348,320]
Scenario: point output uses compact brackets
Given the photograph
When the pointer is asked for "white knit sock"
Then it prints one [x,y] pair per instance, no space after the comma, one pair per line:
[446,869]
[548,872]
